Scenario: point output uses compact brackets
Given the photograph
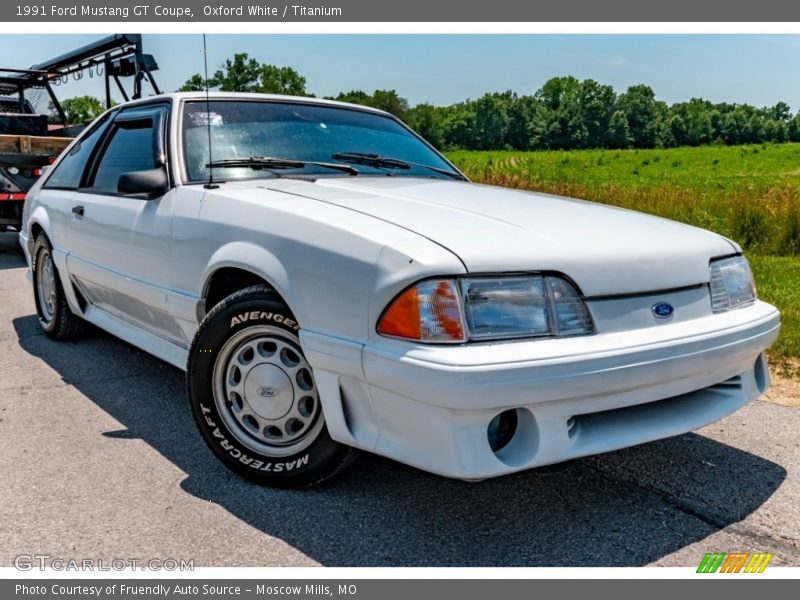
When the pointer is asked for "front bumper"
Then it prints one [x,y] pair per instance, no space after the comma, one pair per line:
[431,406]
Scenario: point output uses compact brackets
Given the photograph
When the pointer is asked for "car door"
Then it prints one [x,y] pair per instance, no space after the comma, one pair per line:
[119,245]
[62,183]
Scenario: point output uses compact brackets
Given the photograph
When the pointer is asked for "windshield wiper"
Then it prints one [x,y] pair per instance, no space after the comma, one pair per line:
[270,162]
[375,160]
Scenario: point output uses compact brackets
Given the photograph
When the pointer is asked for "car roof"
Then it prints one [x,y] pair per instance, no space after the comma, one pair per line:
[216,95]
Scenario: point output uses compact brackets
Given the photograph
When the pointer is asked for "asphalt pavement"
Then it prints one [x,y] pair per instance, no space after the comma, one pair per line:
[99,458]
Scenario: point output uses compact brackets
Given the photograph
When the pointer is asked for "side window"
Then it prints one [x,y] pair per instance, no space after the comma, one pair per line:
[67,175]
[129,149]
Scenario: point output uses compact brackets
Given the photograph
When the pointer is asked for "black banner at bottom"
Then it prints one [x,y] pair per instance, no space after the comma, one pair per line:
[382,589]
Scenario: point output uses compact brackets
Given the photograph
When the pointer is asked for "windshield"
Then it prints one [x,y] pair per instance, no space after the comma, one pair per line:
[242,130]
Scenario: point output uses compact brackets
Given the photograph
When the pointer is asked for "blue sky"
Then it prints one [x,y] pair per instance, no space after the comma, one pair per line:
[441,69]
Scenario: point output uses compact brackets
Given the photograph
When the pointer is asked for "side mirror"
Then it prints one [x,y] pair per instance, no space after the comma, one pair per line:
[151,183]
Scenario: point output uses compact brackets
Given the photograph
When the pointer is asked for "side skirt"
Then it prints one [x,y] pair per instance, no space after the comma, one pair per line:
[150,343]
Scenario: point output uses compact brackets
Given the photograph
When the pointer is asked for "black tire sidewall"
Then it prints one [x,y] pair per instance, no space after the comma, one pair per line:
[40,245]
[311,464]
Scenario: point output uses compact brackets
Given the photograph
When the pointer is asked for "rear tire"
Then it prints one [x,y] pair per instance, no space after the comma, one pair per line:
[254,397]
[55,316]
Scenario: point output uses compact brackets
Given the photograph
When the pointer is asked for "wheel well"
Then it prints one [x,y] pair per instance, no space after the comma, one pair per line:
[229,280]
[36,229]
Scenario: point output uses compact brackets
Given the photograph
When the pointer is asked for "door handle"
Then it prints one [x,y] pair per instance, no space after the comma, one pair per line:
[77,210]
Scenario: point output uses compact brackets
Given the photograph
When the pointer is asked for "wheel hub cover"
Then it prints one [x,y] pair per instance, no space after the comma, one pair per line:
[268,391]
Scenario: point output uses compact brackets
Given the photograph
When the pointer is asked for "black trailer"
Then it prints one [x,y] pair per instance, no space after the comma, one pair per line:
[33,127]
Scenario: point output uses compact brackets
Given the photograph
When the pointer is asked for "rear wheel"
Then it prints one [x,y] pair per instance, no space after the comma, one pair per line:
[254,396]
[52,309]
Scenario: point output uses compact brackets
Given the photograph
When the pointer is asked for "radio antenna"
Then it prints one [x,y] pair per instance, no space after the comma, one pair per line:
[210,185]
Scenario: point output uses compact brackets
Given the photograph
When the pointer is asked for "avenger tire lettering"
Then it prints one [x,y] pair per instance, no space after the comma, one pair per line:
[263,316]
[247,343]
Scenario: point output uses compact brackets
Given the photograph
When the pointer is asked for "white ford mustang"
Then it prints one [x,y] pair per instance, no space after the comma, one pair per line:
[329,281]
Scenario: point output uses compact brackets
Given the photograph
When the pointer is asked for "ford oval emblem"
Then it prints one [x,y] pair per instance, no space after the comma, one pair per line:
[267,392]
[662,310]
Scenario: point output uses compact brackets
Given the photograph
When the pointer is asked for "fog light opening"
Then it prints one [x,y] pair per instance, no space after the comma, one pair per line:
[501,429]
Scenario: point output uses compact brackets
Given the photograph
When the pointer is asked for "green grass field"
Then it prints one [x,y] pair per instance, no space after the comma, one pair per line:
[778,281]
[748,193]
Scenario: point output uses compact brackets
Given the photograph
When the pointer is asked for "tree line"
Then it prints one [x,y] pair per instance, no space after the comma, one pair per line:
[565,113]
[570,114]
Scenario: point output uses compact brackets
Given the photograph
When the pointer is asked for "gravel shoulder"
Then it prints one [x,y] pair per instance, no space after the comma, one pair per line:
[785,385]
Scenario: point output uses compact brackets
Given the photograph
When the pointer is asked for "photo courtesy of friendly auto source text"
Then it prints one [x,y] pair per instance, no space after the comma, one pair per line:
[458,295]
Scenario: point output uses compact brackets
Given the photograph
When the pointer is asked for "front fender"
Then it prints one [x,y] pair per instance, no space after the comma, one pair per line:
[255,259]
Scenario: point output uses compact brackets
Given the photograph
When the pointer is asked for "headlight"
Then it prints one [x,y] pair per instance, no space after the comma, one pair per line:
[512,307]
[732,284]
[486,308]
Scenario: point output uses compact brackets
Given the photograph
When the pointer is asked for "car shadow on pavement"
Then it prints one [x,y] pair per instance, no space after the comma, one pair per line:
[11,256]
[626,508]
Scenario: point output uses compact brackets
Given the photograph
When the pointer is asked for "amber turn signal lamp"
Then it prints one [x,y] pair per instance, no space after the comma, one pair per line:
[428,312]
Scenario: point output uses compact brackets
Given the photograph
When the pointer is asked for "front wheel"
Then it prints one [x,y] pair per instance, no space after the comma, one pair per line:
[254,396]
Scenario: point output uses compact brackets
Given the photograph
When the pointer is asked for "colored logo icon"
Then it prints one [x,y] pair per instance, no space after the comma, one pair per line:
[737,562]
[662,310]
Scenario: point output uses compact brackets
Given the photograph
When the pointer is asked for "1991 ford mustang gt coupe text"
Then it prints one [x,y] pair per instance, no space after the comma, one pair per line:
[329,281]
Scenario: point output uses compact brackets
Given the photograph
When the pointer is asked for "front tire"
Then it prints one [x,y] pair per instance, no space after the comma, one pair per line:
[254,397]
[55,316]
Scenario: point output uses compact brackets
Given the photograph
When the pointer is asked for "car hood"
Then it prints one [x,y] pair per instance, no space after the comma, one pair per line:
[605,250]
